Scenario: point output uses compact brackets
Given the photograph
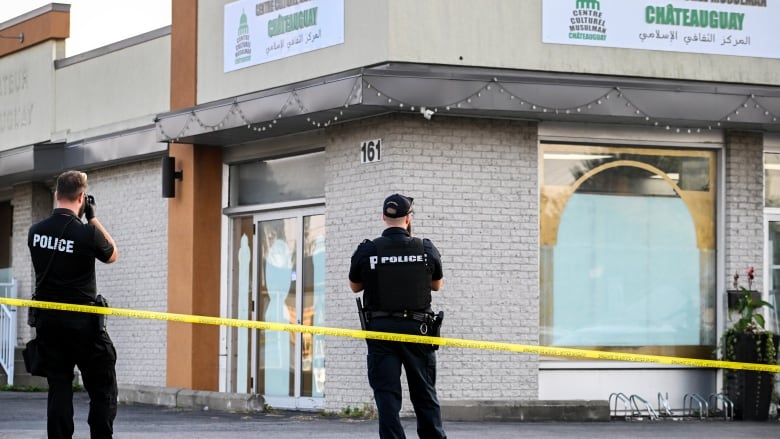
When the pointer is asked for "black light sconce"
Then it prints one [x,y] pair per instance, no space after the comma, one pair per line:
[169,177]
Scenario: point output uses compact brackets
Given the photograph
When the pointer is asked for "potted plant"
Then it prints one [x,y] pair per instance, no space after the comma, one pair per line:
[735,294]
[746,341]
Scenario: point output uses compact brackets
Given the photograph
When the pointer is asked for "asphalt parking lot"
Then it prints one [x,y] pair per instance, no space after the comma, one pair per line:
[23,416]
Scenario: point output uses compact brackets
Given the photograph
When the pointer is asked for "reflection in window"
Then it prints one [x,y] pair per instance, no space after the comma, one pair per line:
[774,276]
[689,173]
[241,298]
[313,349]
[277,271]
[287,364]
[628,248]
[772,180]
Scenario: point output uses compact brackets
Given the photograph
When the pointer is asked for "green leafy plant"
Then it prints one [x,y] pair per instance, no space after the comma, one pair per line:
[749,320]
[747,340]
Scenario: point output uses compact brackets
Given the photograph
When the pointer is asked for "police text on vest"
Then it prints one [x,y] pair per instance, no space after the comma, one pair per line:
[396,259]
[57,244]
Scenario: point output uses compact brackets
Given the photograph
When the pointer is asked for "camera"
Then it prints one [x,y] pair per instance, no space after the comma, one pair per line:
[89,207]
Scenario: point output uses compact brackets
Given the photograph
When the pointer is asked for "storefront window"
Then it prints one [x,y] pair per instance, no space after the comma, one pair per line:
[267,181]
[628,249]
[772,179]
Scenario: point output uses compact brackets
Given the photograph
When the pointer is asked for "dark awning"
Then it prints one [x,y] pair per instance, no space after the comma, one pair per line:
[475,92]
[29,163]
[45,160]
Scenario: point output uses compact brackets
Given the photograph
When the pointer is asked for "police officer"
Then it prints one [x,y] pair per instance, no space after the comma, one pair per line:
[63,251]
[396,274]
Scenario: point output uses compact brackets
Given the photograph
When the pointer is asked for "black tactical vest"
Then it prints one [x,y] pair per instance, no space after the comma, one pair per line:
[403,276]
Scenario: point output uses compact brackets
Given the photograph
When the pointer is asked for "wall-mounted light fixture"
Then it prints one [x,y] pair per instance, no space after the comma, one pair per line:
[20,37]
[169,177]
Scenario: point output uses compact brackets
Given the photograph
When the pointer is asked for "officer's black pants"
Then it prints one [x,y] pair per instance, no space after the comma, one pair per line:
[385,359]
[72,339]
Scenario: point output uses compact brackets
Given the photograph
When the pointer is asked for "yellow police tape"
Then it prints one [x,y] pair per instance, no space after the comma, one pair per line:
[354,333]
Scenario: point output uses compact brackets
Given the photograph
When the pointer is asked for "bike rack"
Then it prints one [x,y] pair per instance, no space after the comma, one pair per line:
[663,405]
[651,413]
[626,403]
[728,406]
[688,401]
[636,406]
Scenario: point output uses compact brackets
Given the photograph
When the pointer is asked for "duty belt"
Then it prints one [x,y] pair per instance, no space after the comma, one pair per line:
[410,315]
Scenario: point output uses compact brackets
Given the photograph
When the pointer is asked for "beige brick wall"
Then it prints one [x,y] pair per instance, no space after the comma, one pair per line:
[744,207]
[31,202]
[475,189]
[130,207]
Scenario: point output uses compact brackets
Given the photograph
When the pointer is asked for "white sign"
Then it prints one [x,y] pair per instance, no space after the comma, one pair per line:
[371,151]
[721,27]
[257,31]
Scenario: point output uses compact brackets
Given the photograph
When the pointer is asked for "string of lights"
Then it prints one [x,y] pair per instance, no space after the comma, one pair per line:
[294,105]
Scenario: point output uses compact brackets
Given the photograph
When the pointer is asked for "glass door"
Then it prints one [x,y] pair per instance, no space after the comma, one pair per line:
[289,368]
[773,272]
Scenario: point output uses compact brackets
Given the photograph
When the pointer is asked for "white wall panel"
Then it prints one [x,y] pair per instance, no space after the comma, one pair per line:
[122,85]
[496,33]
[26,86]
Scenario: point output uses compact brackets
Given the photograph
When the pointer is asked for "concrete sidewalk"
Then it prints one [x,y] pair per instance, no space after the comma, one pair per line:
[23,416]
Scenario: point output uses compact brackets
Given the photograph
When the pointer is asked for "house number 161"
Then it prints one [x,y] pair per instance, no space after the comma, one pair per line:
[371,151]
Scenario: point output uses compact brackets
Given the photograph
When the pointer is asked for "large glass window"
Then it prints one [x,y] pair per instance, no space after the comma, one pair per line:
[628,249]
[772,201]
[298,177]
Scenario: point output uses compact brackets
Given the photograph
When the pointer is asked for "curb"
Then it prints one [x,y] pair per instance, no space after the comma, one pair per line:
[452,410]
[526,411]
[192,399]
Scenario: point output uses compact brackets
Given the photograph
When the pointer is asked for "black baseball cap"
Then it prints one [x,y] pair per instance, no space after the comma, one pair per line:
[397,206]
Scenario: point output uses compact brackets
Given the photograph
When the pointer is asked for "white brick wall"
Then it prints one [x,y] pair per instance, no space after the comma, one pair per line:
[475,189]
[744,207]
[131,208]
[32,202]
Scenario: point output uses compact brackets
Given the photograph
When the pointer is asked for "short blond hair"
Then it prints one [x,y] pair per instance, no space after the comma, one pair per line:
[70,184]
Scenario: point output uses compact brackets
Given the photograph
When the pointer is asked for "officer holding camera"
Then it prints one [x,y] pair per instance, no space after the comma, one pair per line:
[63,250]
[396,274]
